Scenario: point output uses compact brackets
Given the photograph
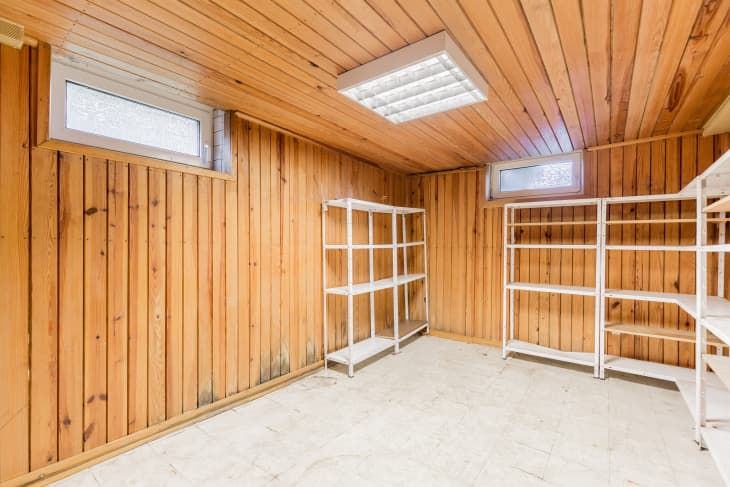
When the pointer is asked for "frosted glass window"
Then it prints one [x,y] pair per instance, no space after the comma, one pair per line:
[100,113]
[545,176]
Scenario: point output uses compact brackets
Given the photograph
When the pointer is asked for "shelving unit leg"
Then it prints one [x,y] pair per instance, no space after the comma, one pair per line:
[425,270]
[405,265]
[600,335]
[350,319]
[505,227]
[701,304]
[324,283]
[372,273]
[512,278]
[394,237]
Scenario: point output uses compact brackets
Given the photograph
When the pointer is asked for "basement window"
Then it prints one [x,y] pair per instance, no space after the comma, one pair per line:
[100,108]
[557,175]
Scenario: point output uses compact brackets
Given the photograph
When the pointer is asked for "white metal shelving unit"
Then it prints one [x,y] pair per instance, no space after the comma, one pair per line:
[684,301]
[356,352]
[712,402]
[509,343]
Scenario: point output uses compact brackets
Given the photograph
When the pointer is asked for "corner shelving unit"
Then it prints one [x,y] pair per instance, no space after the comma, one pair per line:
[390,337]
[509,343]
[712,401]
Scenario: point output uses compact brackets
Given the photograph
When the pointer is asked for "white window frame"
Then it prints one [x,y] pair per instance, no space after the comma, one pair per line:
[494,169]
[95,77]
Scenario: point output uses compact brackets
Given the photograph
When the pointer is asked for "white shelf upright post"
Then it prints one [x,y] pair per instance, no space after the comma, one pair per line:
[371,261]
[425,270]
[394,236]
[405,264]
[324,284]
[701,306]
[350,318]
[506,243]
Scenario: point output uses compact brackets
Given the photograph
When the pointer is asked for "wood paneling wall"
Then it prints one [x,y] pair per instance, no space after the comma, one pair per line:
[465,253]
[131,295]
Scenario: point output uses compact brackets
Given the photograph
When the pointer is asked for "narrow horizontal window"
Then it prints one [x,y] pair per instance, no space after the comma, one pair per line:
[102,107]
[96,112]
[552,175]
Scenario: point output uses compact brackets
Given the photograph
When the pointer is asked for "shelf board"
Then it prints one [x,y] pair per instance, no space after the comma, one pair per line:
[717,441]
[720,365]
[685,301]
[358,246]
[686,336]
[550,223]
[719,326]
[551,246]
[723,204]
[378,285]
[579,358]
[642,222]
[362,350]
[645,368]
[716,248]
[552,288]
[406,328]
[656,248]
[362,205]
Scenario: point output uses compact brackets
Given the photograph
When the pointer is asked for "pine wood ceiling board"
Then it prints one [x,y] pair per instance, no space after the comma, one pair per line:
[498,145]
[679,27]
[487,114]
[566,14]
[501,96]
[654,17]
[624,32]
[597,25]
[515,29]
[369,19]
[397,18]
[145,21]
[707,27]
[254,25]
[458,128]
[332,21]
[551,127]
[712,85]
[545,33]
[327,80]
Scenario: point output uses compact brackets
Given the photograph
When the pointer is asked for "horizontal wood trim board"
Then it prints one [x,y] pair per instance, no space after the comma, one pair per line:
[65,468]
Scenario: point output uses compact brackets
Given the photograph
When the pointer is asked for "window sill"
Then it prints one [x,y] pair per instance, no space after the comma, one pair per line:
[60,145]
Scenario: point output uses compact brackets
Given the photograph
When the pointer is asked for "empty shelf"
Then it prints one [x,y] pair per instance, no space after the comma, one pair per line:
[580,358]
[551,223]
[552,246]
[406,328]
[719,326]
[645,222]
[717,441]
[685,301]
[361,205]
[722,204]
[552,288]
[362,350]
[367,287]
[648,369]
[716,248]
[661,333]
[721,366]
[359,246]
[657,248]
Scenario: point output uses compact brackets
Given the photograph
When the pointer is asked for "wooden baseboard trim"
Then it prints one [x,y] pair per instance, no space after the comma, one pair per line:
[465,339]
[69,466]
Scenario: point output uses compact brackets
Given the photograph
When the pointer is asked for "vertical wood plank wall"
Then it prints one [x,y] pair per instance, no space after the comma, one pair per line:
[465,253]
[129,295]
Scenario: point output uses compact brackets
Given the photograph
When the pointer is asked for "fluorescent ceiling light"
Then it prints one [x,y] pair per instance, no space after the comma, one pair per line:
[421,79]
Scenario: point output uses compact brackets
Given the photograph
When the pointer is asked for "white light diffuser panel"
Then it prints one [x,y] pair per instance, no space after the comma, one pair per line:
[421,79]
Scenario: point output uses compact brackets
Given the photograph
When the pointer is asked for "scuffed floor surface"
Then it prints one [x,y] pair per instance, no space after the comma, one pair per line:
[441,413]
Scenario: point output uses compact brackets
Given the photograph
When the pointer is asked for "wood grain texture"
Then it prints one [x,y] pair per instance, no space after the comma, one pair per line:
[562,74]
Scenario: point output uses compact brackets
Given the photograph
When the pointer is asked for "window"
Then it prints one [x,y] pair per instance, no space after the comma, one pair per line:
[542,176]
[95,108]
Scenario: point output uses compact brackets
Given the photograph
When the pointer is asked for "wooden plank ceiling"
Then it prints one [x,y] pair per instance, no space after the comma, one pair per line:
[563,74]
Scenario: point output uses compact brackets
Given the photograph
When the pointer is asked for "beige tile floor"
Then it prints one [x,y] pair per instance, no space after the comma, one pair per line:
[441,413]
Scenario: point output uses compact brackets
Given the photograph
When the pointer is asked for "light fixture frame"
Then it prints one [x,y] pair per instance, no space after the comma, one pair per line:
[429,47]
